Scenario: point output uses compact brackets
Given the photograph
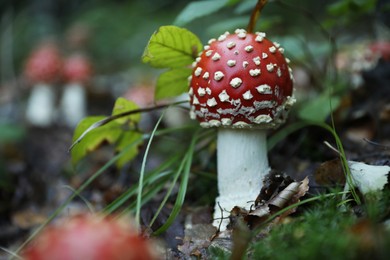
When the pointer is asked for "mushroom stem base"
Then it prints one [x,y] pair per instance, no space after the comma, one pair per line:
[242,166]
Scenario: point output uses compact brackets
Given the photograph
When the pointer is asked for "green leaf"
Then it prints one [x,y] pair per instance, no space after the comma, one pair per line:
[107,133]
[172,83]
[318,109]
[128,138]
[199,9]
[123,105]
[171,47]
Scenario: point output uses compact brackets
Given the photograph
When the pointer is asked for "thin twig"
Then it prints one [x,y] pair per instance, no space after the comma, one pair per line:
[331,147]
[386,147]
[255,15]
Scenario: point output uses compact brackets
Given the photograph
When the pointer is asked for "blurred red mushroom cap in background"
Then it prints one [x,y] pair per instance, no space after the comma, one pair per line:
[44,64]
[90,237]
[382,49]
[77,68]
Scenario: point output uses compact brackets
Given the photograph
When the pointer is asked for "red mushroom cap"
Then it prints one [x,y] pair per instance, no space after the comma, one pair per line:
[381,49]
[89,237]
[241,80]
[44,64]
[77,68]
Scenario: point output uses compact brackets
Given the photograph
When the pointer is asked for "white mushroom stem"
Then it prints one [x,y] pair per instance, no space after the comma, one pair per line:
[40,105]
[242,166]
[73,104]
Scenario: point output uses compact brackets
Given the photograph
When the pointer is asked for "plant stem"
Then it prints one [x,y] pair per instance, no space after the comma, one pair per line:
[255,15]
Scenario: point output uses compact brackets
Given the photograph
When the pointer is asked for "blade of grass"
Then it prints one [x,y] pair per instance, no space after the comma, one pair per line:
[150,178]
[182,188]
[169,192]
[86,202]
[142,172]
[343,158]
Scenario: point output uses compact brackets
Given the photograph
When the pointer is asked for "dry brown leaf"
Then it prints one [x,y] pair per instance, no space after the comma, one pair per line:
[288,196]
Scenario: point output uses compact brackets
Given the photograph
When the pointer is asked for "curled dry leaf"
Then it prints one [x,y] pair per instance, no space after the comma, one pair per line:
[278,200]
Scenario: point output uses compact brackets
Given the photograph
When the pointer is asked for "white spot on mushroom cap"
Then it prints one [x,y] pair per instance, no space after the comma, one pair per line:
[287,60]
[277,45]
[206,75]
[270,67]
[264,104]
[279,72]
[276,90]
[189,78]
[255,72]
[211,41]
[216,56]
[237,31]
[214,123]
[230,45]
[259,38]
[218,75]
[245,64]
[201,91]
[236,52]
[256,60]
[241,35]
[290,101]
[197,59]
[209,52]
[222,38]
[191,91]
[281,50]
[262,34]
[208,91]
[195,100]
[206,47]
[241,124]
[223,96]
[211,102]
[262,119]
[247,95]
[231,63]
[226,121]
[272,49]
[194,64]
[198,71]
[248,48]
[236,82]
[291,73]
[264,89]
[264,55]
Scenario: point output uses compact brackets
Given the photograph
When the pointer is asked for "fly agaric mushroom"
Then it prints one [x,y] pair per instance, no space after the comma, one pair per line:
[242,84]
[77,72]
[89,237]
[43,68]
